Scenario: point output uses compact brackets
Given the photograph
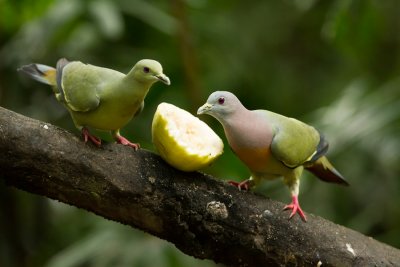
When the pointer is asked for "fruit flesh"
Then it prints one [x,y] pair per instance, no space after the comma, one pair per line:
[183,140]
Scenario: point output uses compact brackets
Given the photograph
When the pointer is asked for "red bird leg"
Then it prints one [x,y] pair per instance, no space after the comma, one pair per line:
[87,136]
[295,207]
[123,141]
[244,185]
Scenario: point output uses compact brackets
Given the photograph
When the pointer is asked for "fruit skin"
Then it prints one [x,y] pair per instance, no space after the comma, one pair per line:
[173,152]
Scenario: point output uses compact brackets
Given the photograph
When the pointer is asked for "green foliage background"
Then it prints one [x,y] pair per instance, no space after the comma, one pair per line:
[333,64]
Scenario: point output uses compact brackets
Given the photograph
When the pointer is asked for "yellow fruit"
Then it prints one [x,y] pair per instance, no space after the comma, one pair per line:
[182,140]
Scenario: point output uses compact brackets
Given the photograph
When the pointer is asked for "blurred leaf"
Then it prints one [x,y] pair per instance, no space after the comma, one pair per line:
[81,252]
[111,245]
[303,4]
[364,114]
[363,127]
[13,13]
[150,14]
[34,39]
[108,17]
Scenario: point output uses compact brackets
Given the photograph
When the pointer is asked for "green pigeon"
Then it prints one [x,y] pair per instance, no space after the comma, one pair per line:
[98,97]
[272,145]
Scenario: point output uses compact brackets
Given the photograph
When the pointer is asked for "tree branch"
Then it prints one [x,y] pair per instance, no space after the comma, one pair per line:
[204,217]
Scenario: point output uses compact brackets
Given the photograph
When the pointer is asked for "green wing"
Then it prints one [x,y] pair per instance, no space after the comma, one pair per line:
[294,142]
[82,85]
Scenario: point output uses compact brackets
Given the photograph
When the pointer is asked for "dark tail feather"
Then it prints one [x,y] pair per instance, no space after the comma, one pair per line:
[325,171]
[39,72]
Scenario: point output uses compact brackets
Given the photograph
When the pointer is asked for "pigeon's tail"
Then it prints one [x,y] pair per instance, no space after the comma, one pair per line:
[41,73]
[325,171]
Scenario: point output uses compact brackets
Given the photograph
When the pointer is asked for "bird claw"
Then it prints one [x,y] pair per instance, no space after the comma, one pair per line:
[88,136]
[244,185]
[295,207]
[123,141]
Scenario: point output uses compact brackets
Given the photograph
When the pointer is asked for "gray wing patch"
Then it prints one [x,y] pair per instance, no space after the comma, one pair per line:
[322,148]
[61,63]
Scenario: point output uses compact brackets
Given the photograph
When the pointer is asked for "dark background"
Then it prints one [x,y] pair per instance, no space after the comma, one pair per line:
[333,64]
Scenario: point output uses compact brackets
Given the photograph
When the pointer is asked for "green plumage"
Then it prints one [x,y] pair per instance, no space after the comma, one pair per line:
[101,98]
[285,144]
[98,97]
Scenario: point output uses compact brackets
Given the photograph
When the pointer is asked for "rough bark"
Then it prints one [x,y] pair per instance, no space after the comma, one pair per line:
[203,216]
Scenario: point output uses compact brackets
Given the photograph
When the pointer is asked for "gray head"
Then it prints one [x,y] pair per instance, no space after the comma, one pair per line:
[220,105]
[149,71]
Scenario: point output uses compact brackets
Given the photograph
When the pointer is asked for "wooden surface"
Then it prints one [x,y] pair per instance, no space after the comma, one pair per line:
[203,216]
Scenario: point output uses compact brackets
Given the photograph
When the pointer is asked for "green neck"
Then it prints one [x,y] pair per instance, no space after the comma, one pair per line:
[130,81]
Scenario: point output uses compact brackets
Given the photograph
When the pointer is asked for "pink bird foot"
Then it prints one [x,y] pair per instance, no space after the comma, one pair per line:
[88,136]
[295,207]
[244,185]
[123,141]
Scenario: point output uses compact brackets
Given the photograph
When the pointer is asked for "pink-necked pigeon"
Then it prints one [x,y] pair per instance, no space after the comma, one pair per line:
[272,145]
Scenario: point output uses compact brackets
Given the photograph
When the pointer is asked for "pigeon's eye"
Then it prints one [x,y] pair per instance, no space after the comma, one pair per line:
[221,100]
[146,70]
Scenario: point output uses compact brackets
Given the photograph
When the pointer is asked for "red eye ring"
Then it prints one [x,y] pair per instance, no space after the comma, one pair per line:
[221,100]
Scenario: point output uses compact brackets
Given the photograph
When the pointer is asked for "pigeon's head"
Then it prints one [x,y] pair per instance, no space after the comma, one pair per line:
[220,104]
[149,71]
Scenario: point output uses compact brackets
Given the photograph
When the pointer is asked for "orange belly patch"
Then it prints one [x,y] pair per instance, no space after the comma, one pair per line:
[256,159]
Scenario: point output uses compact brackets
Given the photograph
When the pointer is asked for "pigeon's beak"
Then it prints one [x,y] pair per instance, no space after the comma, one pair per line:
[163,78]
[204,109]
